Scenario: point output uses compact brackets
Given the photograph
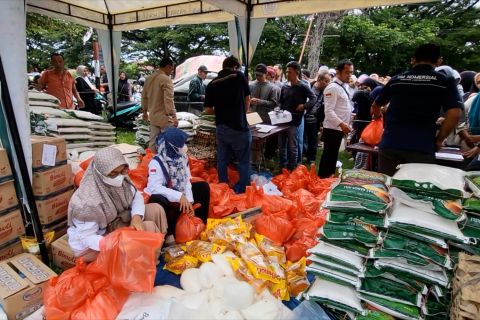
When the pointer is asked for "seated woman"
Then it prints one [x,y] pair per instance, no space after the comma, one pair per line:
[107,200]
[169,180]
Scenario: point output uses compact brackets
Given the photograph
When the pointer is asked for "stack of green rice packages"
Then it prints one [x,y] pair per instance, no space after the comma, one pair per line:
[357,208]
[423,225]
[471,225]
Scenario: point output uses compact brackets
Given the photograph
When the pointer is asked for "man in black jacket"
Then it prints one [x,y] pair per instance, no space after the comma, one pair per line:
[295,97]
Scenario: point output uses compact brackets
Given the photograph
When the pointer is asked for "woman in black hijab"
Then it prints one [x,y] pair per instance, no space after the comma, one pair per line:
[124,88]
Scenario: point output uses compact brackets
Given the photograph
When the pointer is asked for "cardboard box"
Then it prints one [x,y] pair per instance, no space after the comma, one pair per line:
[63,256]
[5,169]
[10,250]
[50,181]
[8,196]
[11,226]
[23,295]
[54,207]
[38,143]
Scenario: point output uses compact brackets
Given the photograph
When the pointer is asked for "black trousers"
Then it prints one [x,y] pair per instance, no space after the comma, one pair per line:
[332,139]
[389,159]
[311,137]
[201,194]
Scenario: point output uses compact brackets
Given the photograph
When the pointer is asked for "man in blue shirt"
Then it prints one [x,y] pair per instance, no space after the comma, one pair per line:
[296,97]
[228,97]
[416,99]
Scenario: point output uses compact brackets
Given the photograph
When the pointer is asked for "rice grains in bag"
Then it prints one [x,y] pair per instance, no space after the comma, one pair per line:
[431,180]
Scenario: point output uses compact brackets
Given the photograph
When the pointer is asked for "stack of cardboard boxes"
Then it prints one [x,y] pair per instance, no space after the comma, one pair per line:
[11,222]
[52,182]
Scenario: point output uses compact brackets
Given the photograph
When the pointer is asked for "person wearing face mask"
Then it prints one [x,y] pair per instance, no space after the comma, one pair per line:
[169,180]
[107,200]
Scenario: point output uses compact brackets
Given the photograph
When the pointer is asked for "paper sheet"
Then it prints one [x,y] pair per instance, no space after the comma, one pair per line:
[448,156]
[49,154]
[265,128]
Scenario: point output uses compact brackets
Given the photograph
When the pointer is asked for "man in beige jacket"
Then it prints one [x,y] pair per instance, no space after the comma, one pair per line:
[157,101]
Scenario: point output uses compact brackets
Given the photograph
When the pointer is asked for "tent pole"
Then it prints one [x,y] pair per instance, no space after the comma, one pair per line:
[247,51]
[23,176]
[114,96]
[312,17]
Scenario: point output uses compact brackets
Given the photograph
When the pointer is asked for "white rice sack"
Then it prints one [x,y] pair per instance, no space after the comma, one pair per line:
[209,274]
[431,179]
[49,112]
[100,126]
[334,273]
[326,291]
[76,130]
[237,295]
[182,124]
[145,306]
[167,292]
[88,145]
[34,95]
[102,132]
[417,221]
[73,137]
[323,249]
[54,123]
[190,280]
[187,116]
[221,261]
[85,115]
[102,138]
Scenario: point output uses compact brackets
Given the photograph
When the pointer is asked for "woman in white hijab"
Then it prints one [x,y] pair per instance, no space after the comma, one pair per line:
[106,200]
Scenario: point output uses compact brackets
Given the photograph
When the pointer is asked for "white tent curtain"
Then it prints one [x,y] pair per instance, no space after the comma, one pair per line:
[256,29]
[104,39]
[14,58]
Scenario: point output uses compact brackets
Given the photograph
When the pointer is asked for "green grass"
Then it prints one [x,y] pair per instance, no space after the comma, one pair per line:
[125,136]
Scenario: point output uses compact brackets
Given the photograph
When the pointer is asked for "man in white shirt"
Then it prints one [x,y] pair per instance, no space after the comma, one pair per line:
[338,110]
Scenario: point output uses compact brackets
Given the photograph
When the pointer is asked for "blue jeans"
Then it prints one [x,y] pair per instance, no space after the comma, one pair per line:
[238,143]
[300,130]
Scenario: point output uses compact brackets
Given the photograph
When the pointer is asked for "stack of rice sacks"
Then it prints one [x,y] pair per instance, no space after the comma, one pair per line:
[82,131]
[186,121]
[204,146]
[355,225]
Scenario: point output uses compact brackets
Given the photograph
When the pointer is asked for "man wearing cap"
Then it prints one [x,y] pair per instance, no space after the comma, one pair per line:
[196,91]
[263,94]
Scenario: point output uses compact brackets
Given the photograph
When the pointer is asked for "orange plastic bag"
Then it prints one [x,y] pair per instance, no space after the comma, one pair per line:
[82,292]
[276,228]
[297,249]
[188,228]
[220,205]
[85,163]
[129,258]
[372,134]
[139,175]
[78,178]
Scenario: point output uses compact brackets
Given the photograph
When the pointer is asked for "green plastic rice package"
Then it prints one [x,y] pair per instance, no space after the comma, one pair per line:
[405,280]
[405,257]
[472,205]
[391,290]
[471,227]
[375,315]
[473,182]
[448,209]
[431,180]
[428,276]
[366,234]
[359,195]
[409,246]
[335,296]
[353,247]
[455,248]
[400,229]
[333,274]
[435,305]
[356,217]
[365,176]
[423,222]
[333,265]
[338,255]
[396,309]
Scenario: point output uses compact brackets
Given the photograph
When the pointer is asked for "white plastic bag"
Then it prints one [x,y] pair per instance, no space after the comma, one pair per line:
[145,306]
[279,117]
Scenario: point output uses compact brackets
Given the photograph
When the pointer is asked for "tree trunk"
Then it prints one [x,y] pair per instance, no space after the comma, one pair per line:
[316,39]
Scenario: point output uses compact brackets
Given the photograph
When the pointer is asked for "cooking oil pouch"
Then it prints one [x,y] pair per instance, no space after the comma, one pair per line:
[203,250]
[274,253]
[174,252]
[180,264]
[256,262]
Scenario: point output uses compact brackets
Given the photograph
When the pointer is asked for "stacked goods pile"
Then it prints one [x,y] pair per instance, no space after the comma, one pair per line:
[248,256]
[52,182]
[204,143]
[357,208]
[186,121]
[11,223]
[465,302]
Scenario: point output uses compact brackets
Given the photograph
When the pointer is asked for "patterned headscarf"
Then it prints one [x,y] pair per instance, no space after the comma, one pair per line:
[168,144]
[96,201]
